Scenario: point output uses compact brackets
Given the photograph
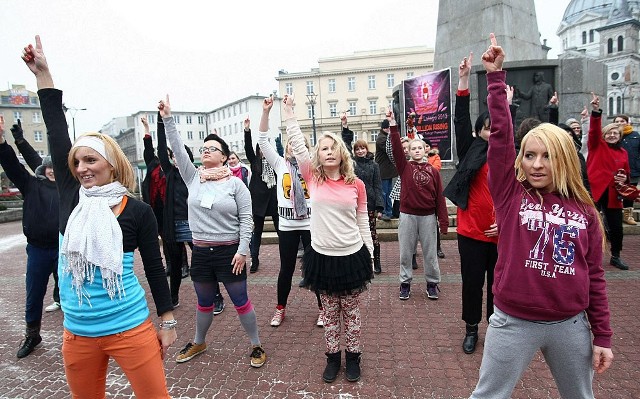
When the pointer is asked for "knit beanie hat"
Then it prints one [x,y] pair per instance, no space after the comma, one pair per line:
[384,124]
[46,163]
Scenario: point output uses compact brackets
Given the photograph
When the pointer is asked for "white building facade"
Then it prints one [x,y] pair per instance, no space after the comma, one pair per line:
[360,84]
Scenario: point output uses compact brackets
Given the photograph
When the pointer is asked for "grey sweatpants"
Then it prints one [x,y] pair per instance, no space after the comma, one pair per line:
[511,343]
[410,229]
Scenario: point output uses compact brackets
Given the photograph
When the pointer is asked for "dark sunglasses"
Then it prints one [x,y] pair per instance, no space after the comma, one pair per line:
[211,149]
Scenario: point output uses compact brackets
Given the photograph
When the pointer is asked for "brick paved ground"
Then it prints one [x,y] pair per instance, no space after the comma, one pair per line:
[411,348]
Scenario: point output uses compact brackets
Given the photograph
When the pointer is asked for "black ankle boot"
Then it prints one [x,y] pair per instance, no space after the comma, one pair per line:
[377,266]
[334,361]
[352,360]
[414,262]
[255,263]
[32,339]
[470,340]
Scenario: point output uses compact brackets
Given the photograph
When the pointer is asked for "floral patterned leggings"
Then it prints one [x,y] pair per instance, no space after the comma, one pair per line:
[349,306]
[372,226]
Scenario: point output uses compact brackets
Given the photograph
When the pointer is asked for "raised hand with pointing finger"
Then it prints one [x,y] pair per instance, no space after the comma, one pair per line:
[493,58]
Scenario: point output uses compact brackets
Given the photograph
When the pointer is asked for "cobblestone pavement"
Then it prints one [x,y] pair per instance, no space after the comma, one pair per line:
[411,349]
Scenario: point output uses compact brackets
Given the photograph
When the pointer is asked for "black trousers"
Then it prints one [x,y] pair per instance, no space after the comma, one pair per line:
[256,236]
[612,218]
[288,245]
[477,260]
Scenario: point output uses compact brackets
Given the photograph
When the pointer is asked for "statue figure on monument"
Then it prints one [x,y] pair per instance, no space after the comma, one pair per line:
[538,95]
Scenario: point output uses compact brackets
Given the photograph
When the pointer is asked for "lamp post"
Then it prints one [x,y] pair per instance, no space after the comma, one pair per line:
[73,117]
[623,88]
[312,97]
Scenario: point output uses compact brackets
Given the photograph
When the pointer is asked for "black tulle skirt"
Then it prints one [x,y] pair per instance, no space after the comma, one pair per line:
[337,275]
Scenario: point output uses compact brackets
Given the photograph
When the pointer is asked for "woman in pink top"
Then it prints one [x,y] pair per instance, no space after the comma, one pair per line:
[339,263]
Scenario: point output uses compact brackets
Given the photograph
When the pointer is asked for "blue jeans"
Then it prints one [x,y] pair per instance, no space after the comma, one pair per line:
[387,185]
[41,262]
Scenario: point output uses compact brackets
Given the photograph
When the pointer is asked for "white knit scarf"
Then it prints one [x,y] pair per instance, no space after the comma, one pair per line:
[93,238]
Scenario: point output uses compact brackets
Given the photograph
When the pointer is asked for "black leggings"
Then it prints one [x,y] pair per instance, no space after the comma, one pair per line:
[176,250]
[256,236]
[288,246]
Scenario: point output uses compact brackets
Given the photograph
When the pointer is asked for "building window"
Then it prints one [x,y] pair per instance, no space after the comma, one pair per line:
[618,105]
[309,86]
[374,135]
[201,134]
[332,85]
[620,43]
[333,109]
[235,110]
[391,81]
[37,136]
[390,105]
[176,119]
[409,75]
[352,108]
[351,83]
[151,118]
[309,111]
[373,107]
[189,135]
[584,37]
[288,88]
[41,153]
[611,106]
[591,33]
[35,118]
[153,135]
[200,119]
[188,119]
[16,115]
[609,46]
[372,82]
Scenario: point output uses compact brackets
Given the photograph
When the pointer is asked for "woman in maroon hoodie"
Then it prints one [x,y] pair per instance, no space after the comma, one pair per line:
[549,287]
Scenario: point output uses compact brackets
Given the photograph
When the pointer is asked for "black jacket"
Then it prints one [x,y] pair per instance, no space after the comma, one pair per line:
[40,208]
[367,170]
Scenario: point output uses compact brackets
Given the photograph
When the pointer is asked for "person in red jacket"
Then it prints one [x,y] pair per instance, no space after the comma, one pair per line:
[549,287]
[606,157]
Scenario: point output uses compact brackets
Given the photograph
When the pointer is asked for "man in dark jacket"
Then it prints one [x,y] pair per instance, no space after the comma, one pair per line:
[631,143]
[39,225]
[387,170]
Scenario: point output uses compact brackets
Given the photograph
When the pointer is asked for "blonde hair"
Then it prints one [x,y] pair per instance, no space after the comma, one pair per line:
[346,165]
[418,140]
[122,169]
[566,175]
[610,127]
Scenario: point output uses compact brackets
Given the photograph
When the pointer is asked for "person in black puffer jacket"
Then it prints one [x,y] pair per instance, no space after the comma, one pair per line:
[39,224]
[368,171]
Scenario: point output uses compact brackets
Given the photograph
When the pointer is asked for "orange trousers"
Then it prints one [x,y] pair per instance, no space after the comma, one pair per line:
[137,352]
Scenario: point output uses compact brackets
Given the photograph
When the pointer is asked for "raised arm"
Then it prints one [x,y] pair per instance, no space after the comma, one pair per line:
[31,156]
[269,152]
[554,114]
[149,153]
[462,118]
[501,153]
[185,167]
[249,152]
[347,134]
[396,144]
[595,125]
[296,140]
[163,153]
[57,129]
[10,163]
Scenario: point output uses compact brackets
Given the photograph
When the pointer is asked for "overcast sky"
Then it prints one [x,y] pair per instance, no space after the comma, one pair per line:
[117,57]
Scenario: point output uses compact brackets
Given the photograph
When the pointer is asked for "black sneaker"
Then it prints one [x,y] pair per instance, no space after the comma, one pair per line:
[405,291]
[414,263]
[218,307]
[255,263]
[440,253]
[28,345]
[432,290]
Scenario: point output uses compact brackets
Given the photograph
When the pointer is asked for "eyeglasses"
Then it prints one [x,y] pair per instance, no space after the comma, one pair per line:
[210,150]
[612,134]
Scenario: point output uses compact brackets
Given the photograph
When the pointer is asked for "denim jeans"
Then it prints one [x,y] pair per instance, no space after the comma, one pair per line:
[387,185]
[41,262]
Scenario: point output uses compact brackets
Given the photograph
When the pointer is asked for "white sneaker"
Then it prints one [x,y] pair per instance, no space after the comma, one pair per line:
[53,307]
[320,321]
[277,318]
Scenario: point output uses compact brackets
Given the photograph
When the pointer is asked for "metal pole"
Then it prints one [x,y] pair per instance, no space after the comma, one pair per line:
[73,121]
[313,121]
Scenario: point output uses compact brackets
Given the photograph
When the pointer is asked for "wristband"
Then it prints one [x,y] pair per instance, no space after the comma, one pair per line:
[168,324]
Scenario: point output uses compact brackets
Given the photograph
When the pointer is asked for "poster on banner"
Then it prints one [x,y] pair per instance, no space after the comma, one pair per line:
[427,110]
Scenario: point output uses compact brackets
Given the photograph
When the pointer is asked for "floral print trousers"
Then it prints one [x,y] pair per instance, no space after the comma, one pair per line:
[349,307]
